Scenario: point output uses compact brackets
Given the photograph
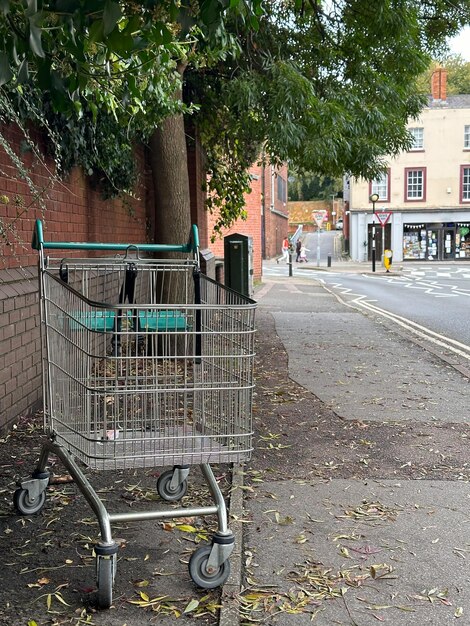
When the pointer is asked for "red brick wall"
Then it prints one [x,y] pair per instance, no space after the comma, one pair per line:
[276,214]
[73,212]
[20,366]
[275,219]
[251,227]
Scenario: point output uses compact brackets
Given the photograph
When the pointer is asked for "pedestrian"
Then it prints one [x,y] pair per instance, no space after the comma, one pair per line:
[303,254]
[298,247]
[285,251]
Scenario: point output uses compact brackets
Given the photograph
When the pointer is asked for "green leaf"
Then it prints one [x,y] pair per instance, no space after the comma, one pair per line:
[254,22]
[12,50]
[94,111]
[192,605]
[96,31]
[210,12]
[5,6]
[132,25]
[78,108]
[120,42]
[111,15]
[23,73]
[35,34]
[5,72]
[174,11]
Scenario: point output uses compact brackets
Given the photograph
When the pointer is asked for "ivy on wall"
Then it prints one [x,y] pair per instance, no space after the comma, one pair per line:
[92,139]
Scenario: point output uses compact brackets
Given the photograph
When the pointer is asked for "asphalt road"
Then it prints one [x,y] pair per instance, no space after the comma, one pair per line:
[439,303]
[433,295]
[320,245]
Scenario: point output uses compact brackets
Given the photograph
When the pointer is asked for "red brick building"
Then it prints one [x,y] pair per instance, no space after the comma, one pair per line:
[267,217]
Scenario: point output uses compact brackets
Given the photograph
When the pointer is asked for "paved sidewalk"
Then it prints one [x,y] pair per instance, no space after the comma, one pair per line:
[360,510]
[354,509]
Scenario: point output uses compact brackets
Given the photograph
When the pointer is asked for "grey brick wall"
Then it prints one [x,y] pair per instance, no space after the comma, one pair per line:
[20,345]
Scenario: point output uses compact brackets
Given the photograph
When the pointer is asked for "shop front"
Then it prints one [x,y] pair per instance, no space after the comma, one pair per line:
[436,242]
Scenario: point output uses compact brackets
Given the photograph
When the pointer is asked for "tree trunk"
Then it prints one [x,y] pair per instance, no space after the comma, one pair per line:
[171,182]
[172,206]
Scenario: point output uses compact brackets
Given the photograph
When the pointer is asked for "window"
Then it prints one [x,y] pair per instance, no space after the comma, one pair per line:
[418,138]
[466,137]
[281,189]
[415,184]
[381,186]
[465,183]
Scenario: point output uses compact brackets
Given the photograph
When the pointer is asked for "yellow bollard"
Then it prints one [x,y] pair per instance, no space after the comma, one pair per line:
[388,256]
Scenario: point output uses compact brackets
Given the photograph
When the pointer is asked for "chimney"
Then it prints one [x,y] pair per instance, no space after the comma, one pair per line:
[439,84]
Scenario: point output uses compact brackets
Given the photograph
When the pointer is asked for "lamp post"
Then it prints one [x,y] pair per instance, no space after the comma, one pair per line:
[373,198]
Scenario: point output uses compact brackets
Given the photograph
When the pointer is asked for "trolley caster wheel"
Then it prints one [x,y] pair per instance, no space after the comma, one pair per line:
[166,491]
[25,504]
[200,576]
[105,578]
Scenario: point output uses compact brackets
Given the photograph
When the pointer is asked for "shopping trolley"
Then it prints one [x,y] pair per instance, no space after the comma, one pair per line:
[146,362]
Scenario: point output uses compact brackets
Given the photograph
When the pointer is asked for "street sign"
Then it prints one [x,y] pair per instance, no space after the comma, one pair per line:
[383,216]
[319,217]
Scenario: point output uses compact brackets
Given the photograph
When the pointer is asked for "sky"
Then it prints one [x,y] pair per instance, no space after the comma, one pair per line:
[461,44]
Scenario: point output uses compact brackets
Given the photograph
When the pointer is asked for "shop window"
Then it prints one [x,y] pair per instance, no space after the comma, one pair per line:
[414,241]
[466,137]
[464,183]
[462,241]
[415,184]
[381,186]
[418,138]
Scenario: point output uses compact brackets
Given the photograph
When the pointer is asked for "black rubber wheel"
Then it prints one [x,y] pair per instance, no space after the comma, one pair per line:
[166,492]
[25,505]
[105,578]
[197,570]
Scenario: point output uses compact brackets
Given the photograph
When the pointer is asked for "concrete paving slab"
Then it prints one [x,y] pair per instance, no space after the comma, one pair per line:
[378,376]
[317,540]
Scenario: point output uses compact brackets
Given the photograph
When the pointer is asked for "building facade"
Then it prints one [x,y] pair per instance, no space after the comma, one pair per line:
[424,196]
[266,217]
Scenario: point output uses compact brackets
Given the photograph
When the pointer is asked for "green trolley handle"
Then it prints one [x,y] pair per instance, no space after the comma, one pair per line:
[38,243]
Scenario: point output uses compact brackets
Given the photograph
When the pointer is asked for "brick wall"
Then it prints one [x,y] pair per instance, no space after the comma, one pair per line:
[251,227]
[277,215]
[74,212]
[20,367]
[275,218]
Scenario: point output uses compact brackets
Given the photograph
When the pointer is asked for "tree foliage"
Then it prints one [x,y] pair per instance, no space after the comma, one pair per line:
[327,86]
[307,186]
[99,75]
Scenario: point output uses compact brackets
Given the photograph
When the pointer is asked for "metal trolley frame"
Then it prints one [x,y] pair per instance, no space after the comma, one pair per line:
[146,362]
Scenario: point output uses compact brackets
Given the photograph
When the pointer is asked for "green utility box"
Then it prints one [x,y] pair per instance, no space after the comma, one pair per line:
[238,263]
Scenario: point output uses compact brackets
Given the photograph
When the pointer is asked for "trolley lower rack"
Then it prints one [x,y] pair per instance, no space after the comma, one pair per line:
[209,566]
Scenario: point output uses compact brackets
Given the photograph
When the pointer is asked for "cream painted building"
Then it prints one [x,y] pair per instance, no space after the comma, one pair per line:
[424,198]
